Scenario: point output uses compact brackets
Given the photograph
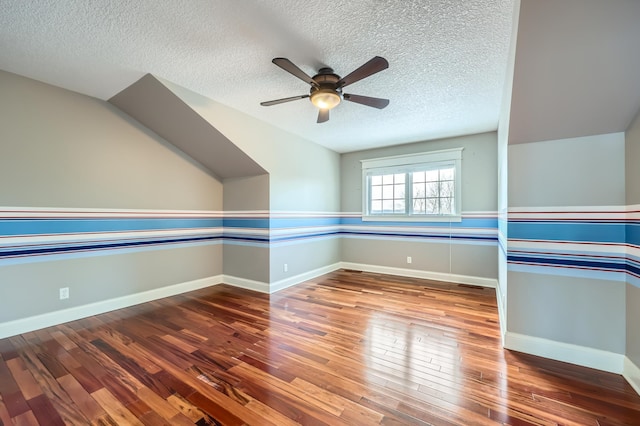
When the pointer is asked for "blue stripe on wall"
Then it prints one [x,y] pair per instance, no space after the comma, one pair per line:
[567,231]
[633,233]
[37,226]
[242,222]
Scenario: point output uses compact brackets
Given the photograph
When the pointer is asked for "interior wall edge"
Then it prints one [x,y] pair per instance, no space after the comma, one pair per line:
[502,313]
[631,373]
[25,325]
[247,284]
[305,276]
[565,352]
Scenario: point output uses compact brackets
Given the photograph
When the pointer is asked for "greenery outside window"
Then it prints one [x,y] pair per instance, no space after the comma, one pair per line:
[417,187]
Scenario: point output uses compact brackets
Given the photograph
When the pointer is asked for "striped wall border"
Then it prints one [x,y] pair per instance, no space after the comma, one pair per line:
[601,242]
[43,234]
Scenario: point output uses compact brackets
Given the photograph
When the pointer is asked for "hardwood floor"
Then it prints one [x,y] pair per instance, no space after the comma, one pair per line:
[348,348]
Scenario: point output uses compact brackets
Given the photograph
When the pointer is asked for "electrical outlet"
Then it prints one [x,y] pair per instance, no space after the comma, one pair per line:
[64,293]
[285,268]
[409,260]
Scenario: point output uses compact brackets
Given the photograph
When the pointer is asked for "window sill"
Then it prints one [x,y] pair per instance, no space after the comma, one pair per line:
[416,218]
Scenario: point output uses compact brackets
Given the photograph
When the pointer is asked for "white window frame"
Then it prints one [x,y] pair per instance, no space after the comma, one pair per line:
[406,164]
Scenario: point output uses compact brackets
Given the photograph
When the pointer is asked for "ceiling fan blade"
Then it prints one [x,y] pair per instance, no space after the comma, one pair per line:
[366,100]
[291,68]
[283,100]
[323,115]
[375,65]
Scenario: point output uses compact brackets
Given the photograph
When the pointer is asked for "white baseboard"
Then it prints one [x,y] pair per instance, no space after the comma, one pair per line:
[245,283]
[24,325]
[632,374]
[415,273]
[305,276]
[502,314]
[566,352]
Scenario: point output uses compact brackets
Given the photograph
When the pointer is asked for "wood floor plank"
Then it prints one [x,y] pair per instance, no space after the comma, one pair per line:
[5,418]
[81,398]
[12,397]
[24,379]
[347,348]
[25,419]
[115,408]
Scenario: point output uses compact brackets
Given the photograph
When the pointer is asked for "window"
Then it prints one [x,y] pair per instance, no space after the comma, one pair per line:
[413,187]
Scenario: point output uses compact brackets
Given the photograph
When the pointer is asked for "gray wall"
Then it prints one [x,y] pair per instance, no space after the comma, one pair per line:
[303,177]
[246,194]
[302,257]
[579,311]
[479,193]
[62,149]
[479,170]
[632,170]
[632,162]
[586,172]
[32,289]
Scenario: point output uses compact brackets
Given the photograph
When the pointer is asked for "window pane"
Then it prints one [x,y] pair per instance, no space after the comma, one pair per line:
[419,206]
[418,177]
[431,189]
[399,206]
[446,205]
[376,180]
[387,206]
[376,192]
[387,179]
[398,191]
[446,189]
[376,207]
[446,174]
[418,190]
[431,175]
[387,192]
[432,206]
[400,177]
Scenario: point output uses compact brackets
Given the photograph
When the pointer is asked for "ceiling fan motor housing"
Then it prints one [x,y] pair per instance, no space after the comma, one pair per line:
[326,93]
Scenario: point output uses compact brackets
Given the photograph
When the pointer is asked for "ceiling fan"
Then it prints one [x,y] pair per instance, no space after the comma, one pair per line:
[326,86]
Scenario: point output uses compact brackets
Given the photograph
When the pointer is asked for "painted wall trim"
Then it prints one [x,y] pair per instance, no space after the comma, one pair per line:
[24,325]
[259,286]
[429,275]
[566,352]
[632,374]
[305,276]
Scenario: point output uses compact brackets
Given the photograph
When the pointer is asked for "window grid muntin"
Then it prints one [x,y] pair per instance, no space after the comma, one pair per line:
[440,168]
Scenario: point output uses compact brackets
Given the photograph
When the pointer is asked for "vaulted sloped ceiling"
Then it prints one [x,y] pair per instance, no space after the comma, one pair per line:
[577,69]
[155,106]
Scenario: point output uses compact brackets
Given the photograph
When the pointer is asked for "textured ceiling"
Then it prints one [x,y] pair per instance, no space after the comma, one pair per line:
[447,57]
